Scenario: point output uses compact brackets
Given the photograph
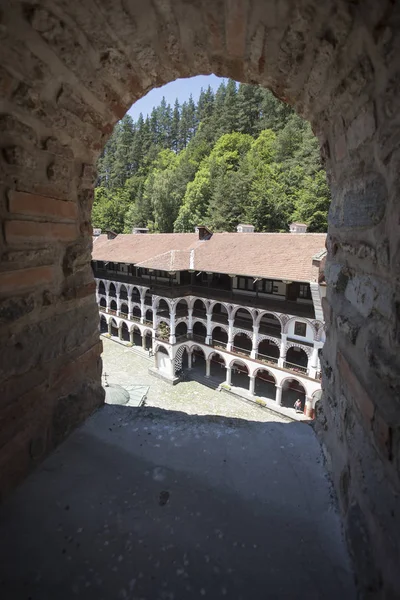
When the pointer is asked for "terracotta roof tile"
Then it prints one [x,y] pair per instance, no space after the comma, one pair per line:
[270,255]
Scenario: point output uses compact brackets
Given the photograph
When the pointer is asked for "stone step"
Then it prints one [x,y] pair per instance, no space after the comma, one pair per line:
[211,383]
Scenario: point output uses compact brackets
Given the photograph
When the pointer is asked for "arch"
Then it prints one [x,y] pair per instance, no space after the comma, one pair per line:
[296,359]
[162,349]
[148,298]
[135,294]
[217,367]
[136,312]
[114,327]
[103,324]
[199,332]
[113,305]
[292,389]
[136,335]
[112,290]
[199,308]
[123,292]
[181,308]
[124,331]
[181,329]
[101,288]
[242,343]
[242,317]
[163,307]
[240,374]
[103,302]
[219,336]
[219,312]
[268,350]
[147,336]
[149,315]
[269,324]
[124,310]
[265,383]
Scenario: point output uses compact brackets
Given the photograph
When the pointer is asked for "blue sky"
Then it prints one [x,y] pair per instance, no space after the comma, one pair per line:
[180,88]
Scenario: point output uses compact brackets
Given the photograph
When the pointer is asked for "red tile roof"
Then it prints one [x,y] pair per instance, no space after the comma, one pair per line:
[270,255]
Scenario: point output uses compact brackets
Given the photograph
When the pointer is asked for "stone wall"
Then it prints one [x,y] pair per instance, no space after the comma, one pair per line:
[69,70]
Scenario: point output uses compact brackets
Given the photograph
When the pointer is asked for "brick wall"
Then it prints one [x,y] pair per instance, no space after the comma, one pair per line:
[68,72]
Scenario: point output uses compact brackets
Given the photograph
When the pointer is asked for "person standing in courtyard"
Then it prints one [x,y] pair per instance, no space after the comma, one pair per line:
[297,405]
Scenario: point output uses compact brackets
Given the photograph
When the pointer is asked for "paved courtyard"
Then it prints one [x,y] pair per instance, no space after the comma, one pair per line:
[125,367]
[173,501]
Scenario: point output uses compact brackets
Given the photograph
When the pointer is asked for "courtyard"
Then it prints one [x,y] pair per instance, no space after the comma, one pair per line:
[195,495]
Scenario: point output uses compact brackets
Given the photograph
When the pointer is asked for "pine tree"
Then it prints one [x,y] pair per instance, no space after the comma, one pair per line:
[176,117]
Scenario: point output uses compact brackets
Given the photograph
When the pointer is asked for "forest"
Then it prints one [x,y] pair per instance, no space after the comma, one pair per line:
[238,155]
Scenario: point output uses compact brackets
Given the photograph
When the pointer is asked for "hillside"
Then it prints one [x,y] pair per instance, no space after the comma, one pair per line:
[237,155]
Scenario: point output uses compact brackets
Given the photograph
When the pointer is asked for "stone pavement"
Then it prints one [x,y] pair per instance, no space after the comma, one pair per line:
[157,504]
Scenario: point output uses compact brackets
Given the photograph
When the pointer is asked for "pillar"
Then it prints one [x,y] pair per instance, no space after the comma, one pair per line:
[143,341]
[131,337]
[309,407]
[209,325]
[230,335]
[190,322]
[252,384]
[172,337]
[109,327]
[120,331]
[278,395]
[129,307]
[142,310]
[107,301]
[253,352]
[228,376]
[189,360]
[282,353]
[208,367]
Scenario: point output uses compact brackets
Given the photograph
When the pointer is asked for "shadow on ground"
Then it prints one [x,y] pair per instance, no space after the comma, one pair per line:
[142,503]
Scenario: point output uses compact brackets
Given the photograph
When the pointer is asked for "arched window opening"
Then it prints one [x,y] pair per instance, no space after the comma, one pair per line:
[199,332]
[136,313]
[296,360]
[243,319]
[124,310]
[220,314]
[113,306]
[123,293]
[219,337]
[292,389]
[217,368]
[181,331]
[199,309]
[242,344]
[135,295]
[103,302]
[103,325]
[125,332]
[240,375]
[112,291]
[270,325]
[181,309]
[137,336]
[198,361]
[163,308]
[149,316]
[264,385]
[102,288]
[268,352]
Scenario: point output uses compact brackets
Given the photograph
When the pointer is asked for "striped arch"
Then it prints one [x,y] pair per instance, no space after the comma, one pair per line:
[201,321]
[179,357]
[181,320]
[235,308]
[193,300]
[306,349]
[270,338]
[245,331]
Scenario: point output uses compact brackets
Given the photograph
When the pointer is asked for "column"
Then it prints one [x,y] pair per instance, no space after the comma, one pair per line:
[228,376]
[131,339]
[172,337]
[252,384]
[189,360]
[253,352]
[282,353]
[120,331]
[117,289]
[129,307]
[309,407]
[142,310]
[109,327]
[208,367]
[278,395]
[153,333]
[190,322]
[107,301]
[313,360]
[209,325]
[143,341]
[230,335]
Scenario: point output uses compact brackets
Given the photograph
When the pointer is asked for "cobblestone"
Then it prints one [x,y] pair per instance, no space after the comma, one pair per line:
[125,367]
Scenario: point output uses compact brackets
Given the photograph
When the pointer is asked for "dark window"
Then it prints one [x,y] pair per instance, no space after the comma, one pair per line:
[304,291]
[267,287]
[300,329]
[242,283]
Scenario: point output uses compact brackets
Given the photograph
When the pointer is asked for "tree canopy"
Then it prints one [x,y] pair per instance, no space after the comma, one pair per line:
[239,154]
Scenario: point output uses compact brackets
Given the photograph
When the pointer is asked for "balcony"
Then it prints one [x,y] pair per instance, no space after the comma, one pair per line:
[295,368]
[270,360]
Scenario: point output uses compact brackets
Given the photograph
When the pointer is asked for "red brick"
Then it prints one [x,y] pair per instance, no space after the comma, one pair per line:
[32,231]
[13,281]
[358,394]
[36,205]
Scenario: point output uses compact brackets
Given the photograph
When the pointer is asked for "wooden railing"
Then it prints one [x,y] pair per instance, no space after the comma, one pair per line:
[295,368]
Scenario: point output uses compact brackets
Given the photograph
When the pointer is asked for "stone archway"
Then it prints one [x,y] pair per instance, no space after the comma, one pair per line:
[336,63]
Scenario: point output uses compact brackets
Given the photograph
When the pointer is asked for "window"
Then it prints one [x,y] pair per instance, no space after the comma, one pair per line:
[300,329]
[242,283]
[304,291]
[267,286]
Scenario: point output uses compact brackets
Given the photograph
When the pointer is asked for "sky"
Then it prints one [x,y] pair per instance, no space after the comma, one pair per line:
[180,88]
